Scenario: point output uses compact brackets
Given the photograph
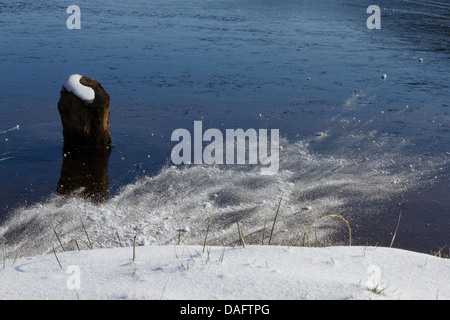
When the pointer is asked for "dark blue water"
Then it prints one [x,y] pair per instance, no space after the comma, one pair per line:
[298,66]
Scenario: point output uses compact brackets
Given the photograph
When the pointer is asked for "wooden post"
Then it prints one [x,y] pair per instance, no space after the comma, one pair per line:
[85,122]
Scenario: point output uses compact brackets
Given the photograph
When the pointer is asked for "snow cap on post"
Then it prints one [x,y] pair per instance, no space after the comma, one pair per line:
[83,92]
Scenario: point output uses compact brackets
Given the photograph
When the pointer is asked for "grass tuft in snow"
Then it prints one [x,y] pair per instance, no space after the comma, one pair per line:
[439,254]
[377,289]
[19,252]
[222,255]
[324,217]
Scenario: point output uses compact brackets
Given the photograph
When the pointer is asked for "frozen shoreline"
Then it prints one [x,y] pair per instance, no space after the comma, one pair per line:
[184,272]
[310,185]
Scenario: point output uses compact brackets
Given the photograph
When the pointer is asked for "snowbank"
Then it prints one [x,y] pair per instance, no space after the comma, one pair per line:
[226,273]
[83,92]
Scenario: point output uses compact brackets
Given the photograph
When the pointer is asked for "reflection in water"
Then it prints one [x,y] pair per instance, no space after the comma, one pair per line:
[85,172]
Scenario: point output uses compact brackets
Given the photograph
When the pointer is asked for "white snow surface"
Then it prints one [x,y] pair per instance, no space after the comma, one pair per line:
[183,272]
[83,92]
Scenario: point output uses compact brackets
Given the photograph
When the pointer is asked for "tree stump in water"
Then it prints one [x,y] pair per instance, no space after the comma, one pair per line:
[84,110]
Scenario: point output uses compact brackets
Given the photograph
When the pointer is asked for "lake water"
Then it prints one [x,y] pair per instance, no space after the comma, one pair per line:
[302,67]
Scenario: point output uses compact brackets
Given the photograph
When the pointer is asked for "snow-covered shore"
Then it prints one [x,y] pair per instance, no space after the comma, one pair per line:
[225,273]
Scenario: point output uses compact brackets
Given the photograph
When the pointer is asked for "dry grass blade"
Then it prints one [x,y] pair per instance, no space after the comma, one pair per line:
[135,236]
[396,228]
[19,252]
[76,243]
[59,240]
[241,236]
[206,237]
[87,236]
[274,221]
[54,252]
[3,252]
[263,234]
[118,238]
